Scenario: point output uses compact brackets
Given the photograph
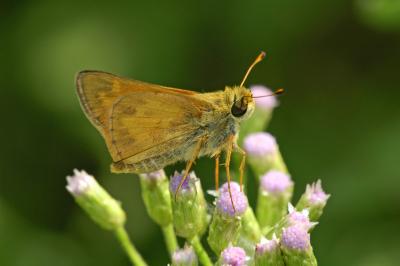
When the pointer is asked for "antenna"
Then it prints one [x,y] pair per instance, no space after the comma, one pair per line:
[259,58]
[277,92]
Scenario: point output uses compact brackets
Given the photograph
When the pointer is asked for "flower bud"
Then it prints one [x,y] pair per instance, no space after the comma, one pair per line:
[296,247]
[184,257]
[267,252]
[226,220]
[299,218]
[233,256]
[296,237]
[262,113]
[263,153]
[314,199]
[224,202]
[294,217]
[249,232]
[93,199]
[225,187]
[275,192]
[189,207]
[156,197]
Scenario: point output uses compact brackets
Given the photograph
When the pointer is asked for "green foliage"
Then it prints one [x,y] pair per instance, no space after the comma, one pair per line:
[339,120]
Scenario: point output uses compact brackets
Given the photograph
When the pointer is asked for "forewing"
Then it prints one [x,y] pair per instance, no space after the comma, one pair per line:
[142,121]
[135,118]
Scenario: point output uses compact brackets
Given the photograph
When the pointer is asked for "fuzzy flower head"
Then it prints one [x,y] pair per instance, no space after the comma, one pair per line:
[233,256]
[184,257]
[295,237]
[224,202]
[261,144]
[266,103]
[267,246]
[189,207]
[234,186]
[315,194]
[224,188]
[299,218]
[275,182]
[154,176]
[79,182]
[95,200]
[187,184]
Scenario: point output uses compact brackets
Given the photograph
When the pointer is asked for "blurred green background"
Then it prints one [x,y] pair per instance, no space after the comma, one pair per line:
[339,120]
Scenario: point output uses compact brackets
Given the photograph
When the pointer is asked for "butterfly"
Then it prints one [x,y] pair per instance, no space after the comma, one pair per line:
[147,127]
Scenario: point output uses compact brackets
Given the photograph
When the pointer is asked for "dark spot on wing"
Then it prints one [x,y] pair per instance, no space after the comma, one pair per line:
[129,110]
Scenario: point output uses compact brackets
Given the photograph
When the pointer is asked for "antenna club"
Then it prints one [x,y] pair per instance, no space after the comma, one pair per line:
[276,92]
[279,91]
[259,58]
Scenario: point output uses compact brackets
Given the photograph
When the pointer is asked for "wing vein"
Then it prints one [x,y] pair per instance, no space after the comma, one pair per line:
[160,143]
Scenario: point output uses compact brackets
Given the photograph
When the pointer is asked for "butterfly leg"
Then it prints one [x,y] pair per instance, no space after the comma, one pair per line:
[217,171]
[190,163]
[227,164]
[242,165]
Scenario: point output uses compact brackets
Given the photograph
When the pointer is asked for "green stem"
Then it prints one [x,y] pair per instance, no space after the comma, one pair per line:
[201,253]
[170,238]
[129,248]
[280,163]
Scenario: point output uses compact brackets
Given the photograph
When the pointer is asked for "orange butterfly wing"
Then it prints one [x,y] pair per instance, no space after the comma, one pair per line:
[138,120]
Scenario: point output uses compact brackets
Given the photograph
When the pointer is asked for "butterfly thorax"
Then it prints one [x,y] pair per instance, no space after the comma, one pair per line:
[219,123]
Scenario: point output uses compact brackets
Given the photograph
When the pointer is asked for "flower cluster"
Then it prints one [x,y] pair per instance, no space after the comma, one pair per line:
[274,232]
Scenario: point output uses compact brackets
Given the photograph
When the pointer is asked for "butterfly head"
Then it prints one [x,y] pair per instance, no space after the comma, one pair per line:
[242,103]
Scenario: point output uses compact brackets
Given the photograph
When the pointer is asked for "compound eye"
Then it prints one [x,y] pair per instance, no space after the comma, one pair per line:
[239,108]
